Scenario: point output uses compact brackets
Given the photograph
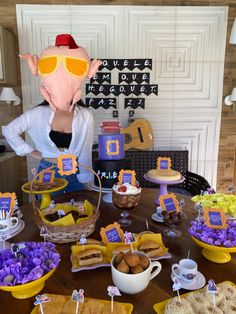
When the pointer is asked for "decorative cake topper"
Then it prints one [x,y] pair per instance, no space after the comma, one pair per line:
[47,176]
[113,291]
[128,236]
[61,213]
[112,233]
[40,299]
[212,288]
[176,287]
[127,176]
[83,240]
[163,164]
[78,297]
[67,164]
[215,218]
[44,232]
[169,202]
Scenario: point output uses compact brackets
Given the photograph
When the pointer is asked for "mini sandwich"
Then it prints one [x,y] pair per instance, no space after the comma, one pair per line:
[90,257]
[150,248]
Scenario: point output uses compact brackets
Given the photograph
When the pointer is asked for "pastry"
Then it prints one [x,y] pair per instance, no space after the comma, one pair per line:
[166,176]
[131,259]
[198,301]
[175,307]
[151,248]
[210,310]
[228,291]
[90,257]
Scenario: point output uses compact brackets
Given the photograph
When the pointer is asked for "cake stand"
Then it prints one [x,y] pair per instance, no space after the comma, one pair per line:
[46,197]
[216,254]
[6,235]
[107,197]
[163,186]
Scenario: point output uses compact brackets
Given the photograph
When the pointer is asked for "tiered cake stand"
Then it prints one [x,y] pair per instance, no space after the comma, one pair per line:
[163,186]
[6,235]
[107,197]
[46,197]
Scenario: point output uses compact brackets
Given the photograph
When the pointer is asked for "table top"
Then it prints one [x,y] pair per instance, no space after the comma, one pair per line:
[95,282]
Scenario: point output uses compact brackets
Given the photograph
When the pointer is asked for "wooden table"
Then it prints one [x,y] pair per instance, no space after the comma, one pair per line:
[95,282]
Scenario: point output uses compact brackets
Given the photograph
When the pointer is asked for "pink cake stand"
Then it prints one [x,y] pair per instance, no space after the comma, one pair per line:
[163,186]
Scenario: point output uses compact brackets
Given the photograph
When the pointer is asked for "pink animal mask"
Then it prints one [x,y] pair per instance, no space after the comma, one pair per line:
[62,69]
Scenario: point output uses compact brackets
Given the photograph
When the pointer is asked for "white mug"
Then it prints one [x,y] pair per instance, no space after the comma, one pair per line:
[8,223]
[187,270]
[134,283]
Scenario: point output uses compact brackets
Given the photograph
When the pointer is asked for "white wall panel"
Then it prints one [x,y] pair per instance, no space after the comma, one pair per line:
[186,45]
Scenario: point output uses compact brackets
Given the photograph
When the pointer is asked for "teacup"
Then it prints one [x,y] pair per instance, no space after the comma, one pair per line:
[8,223]
[187,270]
[134,283]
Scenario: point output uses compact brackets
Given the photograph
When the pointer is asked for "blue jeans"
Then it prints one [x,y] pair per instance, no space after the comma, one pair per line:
[73,183]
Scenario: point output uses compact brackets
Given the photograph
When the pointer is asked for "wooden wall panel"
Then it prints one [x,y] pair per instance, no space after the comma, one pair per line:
[226,158]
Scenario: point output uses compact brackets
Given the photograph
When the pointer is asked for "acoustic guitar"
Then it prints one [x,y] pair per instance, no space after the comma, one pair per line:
[138,135]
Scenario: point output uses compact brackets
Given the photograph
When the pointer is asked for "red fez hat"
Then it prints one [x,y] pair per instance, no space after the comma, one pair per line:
[66,40]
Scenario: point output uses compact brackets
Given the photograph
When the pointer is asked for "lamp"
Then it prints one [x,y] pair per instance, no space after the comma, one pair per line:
[231,98]
[9,96]
[232,39]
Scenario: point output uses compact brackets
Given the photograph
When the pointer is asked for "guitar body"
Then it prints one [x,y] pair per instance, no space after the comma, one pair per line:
[138,135]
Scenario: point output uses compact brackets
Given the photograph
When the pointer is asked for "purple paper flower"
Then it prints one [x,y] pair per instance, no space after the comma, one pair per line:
[30,263]
[217,237]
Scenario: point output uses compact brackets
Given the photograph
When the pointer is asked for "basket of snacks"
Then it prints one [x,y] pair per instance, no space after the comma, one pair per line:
[66,222]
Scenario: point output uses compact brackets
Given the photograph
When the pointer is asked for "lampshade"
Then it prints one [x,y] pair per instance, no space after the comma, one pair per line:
[9,96]
[231,98]
[232,39]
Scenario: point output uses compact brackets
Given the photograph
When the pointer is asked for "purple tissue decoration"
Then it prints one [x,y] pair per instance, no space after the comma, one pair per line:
[217,237]
[32,262]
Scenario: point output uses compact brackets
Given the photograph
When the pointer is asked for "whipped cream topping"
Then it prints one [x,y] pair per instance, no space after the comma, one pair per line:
[130,189]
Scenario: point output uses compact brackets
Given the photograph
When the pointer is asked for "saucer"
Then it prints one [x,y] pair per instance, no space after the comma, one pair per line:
[157,218]
[198,283]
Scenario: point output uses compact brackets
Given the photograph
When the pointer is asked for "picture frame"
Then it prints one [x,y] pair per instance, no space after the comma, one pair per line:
[163,164]
[109,147]
[67,164]
[47,176]
[127,176]
[215,218]
[169,202]
[7,201]
[112,233]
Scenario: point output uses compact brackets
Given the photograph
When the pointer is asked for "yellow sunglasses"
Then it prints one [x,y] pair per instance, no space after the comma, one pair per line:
[75,66]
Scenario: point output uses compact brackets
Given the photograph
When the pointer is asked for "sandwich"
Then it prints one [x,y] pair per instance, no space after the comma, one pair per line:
[151,248]
[90,257]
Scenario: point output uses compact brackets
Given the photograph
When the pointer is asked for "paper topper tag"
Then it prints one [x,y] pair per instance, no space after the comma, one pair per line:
[67,164]
[163,164]
[112,233]
[83,239]
[78,296]
[41,298]
[215,218]
[7,201]
[176,285]
[128,236]
[127,176]
[169,202]
[43,231]
[113,291]
[211,286]
[47,176]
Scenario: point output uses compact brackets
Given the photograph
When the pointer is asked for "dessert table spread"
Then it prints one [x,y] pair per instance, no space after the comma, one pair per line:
[95,282]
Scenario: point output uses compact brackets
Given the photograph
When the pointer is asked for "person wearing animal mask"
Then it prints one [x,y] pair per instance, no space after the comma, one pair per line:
[58,125]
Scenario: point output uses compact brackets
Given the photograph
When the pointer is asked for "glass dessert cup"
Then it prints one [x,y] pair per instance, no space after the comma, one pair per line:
[125,202]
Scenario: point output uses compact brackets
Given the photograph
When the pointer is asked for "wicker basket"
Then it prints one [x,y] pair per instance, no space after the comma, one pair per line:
[70,233]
